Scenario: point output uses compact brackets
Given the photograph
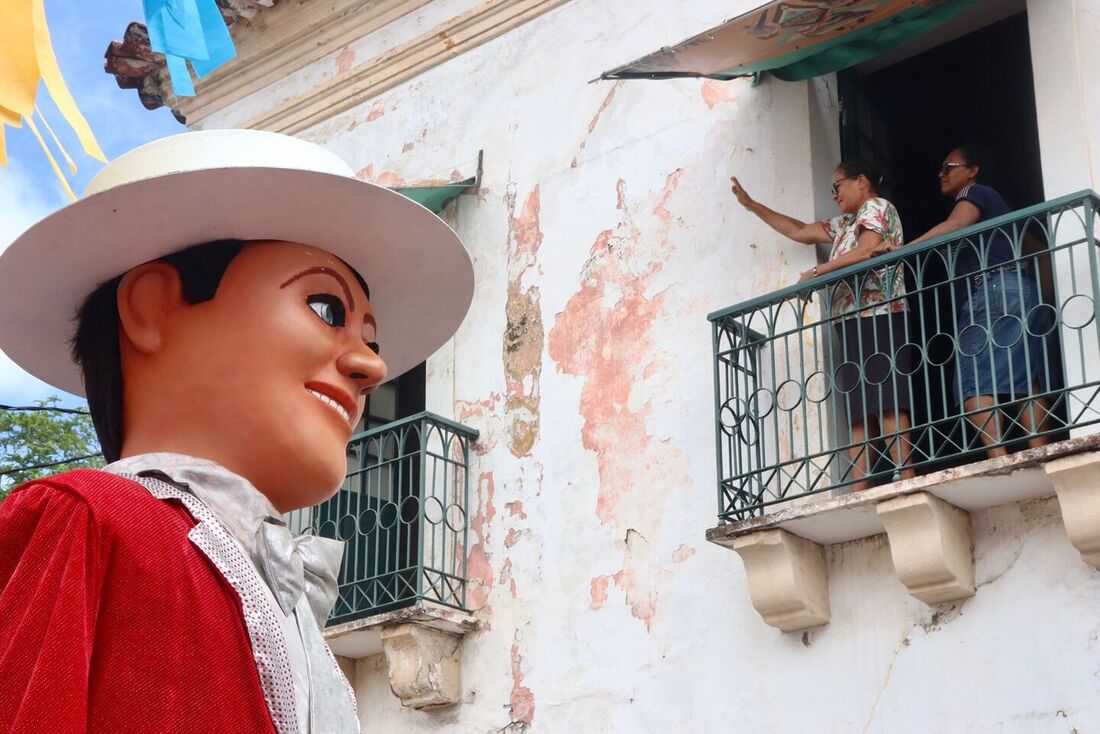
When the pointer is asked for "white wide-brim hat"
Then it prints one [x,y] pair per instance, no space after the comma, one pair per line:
[231,184]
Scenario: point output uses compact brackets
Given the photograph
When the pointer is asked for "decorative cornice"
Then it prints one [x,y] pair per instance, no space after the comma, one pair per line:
[287,39]
[371,78]
[284,39]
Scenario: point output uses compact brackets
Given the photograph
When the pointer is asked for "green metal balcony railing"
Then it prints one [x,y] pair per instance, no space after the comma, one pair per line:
[789,367]
[402,514]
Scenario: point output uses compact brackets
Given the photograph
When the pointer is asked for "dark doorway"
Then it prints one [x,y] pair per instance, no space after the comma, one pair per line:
[907,116]
[977,89]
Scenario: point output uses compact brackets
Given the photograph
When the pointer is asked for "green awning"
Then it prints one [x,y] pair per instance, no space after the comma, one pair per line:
[796,40]
[436,197]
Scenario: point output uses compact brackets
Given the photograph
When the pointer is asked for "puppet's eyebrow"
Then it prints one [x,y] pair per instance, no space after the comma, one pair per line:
[325,271]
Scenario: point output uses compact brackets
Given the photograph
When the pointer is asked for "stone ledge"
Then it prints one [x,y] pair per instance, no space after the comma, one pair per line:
[983,484]
[363,637]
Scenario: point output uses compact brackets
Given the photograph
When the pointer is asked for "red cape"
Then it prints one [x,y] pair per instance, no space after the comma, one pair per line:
[112,621]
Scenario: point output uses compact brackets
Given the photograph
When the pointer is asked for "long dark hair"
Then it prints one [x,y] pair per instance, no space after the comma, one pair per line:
[875,174]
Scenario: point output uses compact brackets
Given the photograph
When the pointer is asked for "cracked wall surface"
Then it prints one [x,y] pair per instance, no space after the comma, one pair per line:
[602,234]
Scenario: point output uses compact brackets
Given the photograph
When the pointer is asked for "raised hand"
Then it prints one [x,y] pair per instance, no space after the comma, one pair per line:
[742,196]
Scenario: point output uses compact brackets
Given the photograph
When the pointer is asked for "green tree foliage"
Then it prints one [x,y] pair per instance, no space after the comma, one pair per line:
[32,438]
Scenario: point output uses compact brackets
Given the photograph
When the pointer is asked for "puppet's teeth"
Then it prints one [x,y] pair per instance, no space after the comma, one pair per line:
[331,403]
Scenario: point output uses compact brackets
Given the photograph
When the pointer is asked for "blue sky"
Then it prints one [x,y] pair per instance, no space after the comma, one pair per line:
[81,31]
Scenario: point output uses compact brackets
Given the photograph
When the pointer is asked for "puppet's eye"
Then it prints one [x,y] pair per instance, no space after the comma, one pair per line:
[329,308]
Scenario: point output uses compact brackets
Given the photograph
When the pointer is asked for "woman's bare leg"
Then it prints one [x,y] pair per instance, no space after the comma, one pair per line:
[1033,417]
[895,429]
[860,457]
[988,423]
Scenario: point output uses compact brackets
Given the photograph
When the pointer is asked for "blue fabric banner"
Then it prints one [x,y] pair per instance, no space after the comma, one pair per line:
[188,30]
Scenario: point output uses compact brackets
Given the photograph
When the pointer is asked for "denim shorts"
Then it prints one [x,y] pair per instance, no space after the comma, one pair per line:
[1001,330]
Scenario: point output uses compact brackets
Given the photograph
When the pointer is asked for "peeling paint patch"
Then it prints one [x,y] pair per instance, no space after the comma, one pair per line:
[598,591]
[515,509]
[377,110]
[482,415]
[606,335]
[603,106]
[512,537]
[521,702]
[524,334]
[385,178]
[344,60]
[389,179]
[478,567]
[718,92]
[507,578]
[407,147]
[682,553]
[638,579]
[595,121]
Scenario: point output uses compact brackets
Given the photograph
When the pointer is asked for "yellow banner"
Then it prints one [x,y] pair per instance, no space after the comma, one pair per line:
[26,57]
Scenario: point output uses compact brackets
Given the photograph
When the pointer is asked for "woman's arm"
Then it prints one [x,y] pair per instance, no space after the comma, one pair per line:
[799,231]
[866,247]
[962,215]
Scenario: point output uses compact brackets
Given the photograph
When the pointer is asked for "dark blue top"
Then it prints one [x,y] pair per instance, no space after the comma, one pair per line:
[990,205]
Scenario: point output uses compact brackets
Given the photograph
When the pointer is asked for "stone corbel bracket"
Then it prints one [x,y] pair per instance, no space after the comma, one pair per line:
[423,665]
[1076,481]
[422,648]
[787,578]
[930,546]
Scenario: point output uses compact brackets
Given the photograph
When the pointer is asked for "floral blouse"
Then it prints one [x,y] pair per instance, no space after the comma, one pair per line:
[881,285]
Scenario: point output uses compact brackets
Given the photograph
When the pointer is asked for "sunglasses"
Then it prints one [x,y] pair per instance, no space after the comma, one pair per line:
[946,167]
[835,187]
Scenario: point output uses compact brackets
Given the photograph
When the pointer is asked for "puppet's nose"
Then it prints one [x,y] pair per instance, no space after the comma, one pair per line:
[363,365]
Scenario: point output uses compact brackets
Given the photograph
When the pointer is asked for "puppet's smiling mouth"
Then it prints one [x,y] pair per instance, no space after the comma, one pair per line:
[331,403]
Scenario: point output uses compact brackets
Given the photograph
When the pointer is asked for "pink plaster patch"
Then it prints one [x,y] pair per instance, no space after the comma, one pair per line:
[682,553]
[344,60]
[515,509]
[609,345]
[598,592]
[522,701]
[603,106]
[511,538]
[377,110]
[478,568]
[389,179]
[716,92]
[366,173]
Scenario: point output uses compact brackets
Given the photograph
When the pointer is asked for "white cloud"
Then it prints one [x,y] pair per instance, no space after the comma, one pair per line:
[23,205]
[22,202]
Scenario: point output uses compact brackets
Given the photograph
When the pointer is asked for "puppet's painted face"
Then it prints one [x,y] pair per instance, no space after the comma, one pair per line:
[288,355]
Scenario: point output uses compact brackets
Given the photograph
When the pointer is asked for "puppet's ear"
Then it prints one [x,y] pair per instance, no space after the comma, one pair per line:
[147,296]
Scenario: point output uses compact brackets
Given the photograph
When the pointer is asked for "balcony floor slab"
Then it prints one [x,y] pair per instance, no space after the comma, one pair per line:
[362,638]
[830,519]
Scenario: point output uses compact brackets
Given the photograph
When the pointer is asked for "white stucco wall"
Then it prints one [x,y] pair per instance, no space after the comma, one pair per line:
[603,233]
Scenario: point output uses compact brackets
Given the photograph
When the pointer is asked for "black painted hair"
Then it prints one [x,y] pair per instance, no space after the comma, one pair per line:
[976,155]
[876,175]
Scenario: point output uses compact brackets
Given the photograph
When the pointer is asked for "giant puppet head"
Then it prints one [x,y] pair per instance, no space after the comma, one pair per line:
[213,289]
